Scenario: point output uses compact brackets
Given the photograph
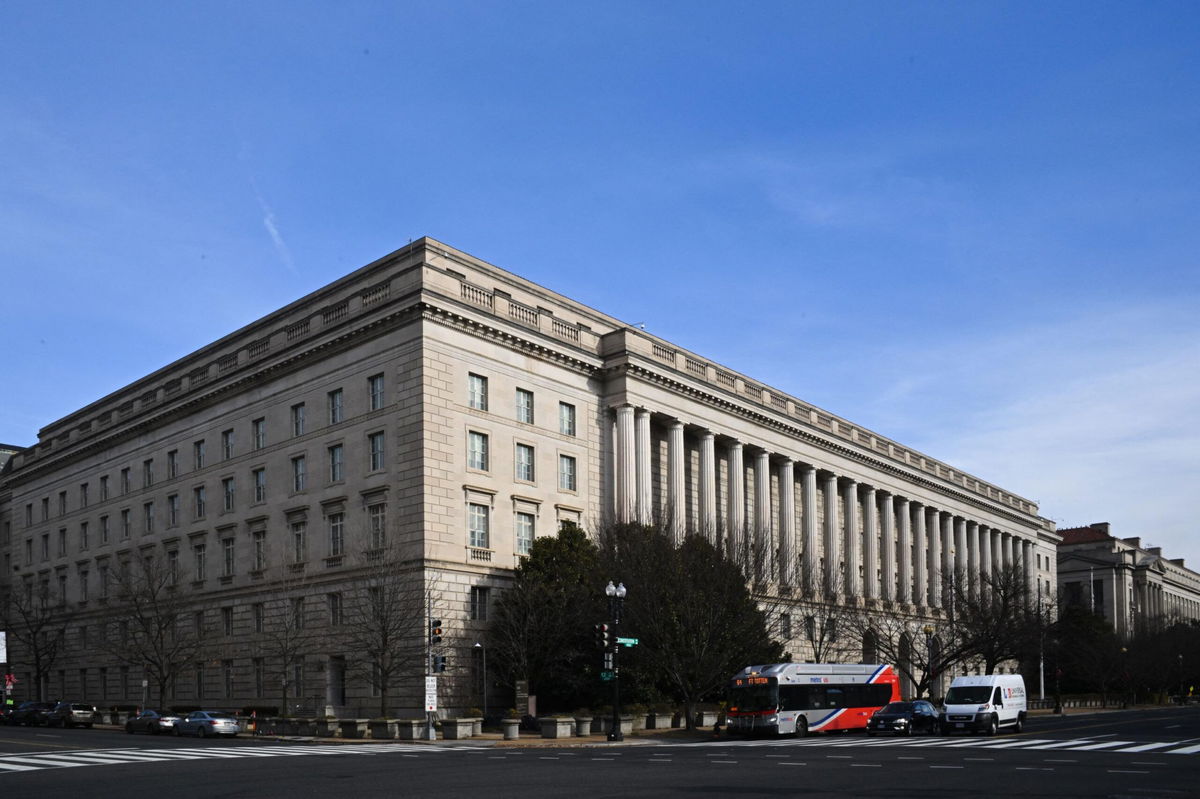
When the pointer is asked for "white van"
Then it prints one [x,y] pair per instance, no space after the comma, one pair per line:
[984,703]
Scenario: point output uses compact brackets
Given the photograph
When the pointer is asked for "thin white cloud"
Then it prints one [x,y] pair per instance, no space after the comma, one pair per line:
[269,223]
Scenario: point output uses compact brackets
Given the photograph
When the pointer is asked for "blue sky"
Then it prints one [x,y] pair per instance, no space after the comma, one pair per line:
[971,227]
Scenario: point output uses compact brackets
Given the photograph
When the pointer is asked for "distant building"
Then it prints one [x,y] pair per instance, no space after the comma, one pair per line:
[1134,588]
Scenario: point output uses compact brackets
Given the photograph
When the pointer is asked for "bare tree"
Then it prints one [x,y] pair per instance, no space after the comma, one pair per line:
[996,618]
[919,648]
[383,620]
[38,626]
[146,627]
[286,631]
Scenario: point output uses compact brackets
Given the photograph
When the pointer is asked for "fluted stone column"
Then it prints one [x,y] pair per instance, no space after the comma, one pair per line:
[870,543]
[787,521]
[905,558]
[887,533]
[645,511]
[626,471]
[833,557]
[808,524]
[1031,570]
[935,559]
[676,487]
[851,537]
[973,559]
[708,485]
[920,553]
[997,553]
[737,501]
[764,549]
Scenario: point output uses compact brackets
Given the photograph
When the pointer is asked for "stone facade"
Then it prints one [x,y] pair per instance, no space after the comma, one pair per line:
[1135,588]
[459,410]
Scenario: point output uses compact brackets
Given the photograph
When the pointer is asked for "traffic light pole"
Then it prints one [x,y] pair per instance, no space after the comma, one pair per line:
[616,598]
[430,732]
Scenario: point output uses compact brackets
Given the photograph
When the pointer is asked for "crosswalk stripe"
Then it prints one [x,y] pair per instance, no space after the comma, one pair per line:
[1062,744]
[1102,745]
[1146,747]
[1184,750]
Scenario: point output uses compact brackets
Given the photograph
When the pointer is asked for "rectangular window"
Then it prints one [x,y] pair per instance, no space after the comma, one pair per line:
[104,581]
[524,406]
[566,419]
[258,433]
[83,536]
[566,472]
[198,454]
[259,614]
[524,469]
[227,677]
[479,603]
[375,448]
[83,495]
[125,480]
[259,538]
[337,533]
[335,406]
[227,494]
[375,389]
[260,484]
[62,542]
[477,451]
[147,472]
[377,523]
[298,613]
[46,545]
[298,419]
[477,525]
[62,503]
[83,591]
[172,567]
[45,508]
[299,541]
[173,464]
[228,557]
[298,473]
[125,525]
[227,621]
[335,463]
[103,530]
[199,502]
[226,444]
[260,676]
[103,487]
[148,518]
[199,562]
[525,533]
[477,396]
[335,609]
[29,515]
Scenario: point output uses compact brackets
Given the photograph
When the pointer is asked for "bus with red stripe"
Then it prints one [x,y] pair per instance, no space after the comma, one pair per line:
[799,698]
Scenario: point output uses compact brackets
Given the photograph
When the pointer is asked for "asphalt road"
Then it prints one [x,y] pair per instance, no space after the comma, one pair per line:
[1138,753]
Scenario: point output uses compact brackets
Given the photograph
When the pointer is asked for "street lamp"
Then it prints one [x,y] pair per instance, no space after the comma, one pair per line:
[616,599]
[929,656]
[483,653]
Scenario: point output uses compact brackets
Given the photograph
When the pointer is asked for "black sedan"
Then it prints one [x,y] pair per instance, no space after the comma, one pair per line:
[154,722]
[904,718]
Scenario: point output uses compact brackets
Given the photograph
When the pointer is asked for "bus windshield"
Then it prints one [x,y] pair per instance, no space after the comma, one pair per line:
[968,695]
[754,698]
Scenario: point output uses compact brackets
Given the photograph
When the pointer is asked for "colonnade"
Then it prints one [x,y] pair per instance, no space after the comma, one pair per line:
[849,538]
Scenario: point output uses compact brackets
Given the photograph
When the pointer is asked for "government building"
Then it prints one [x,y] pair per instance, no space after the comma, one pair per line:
[442,409]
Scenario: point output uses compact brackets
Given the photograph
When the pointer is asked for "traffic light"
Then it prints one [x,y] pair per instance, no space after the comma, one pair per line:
[435,631]
[603,638]
[439,663]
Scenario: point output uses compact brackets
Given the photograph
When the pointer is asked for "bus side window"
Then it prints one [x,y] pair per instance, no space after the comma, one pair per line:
[878,694]
[835,697]
[816,697]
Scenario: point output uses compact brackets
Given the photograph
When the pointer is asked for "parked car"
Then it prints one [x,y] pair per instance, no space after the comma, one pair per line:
[152,721]
[904,718]
[30,714]
[68,714]
[207,722]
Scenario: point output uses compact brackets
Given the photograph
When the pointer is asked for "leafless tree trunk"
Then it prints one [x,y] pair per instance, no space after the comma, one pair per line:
[37,626]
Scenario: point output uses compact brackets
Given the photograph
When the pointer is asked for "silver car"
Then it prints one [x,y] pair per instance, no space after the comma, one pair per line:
[207,722]
[152,721]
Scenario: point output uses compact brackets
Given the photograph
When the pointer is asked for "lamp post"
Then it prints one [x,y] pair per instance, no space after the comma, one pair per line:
[616,599]
[929,655]
[483,654]
[1181,698]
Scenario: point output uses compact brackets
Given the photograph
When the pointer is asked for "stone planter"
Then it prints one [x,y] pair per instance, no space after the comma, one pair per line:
[677,719]
[382,729]
[658,721]
[411,729]
[352,728]
[477,727]
[326,728]
[600,724]
[554,727]
[706,718]
[511,728]
[639,721]
[583,726]
[457,729]
[626,725]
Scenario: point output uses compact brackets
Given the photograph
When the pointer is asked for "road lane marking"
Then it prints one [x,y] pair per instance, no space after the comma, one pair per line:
[791,763]
[1145,747]
[1125,771]
[947,766]
[727,762]
[865,765]
[1184,750]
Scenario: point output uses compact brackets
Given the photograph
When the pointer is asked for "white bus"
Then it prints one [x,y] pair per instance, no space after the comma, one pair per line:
[787,698]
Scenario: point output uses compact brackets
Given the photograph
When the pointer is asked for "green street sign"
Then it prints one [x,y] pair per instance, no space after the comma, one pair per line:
[606,676]
[627,641]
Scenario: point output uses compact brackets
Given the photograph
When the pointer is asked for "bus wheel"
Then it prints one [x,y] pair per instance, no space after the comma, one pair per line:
[801,727]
